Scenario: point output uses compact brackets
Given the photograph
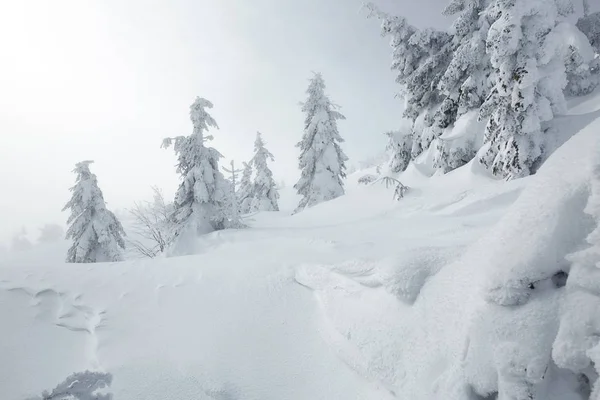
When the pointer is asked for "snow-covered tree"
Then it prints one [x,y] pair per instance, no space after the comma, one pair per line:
[245,192]
[234,220]
[528,83]
[202,194]
[321,161]
[465,81]
[264,189]
[96,233]
[420,58]
[399,145]
[50,233]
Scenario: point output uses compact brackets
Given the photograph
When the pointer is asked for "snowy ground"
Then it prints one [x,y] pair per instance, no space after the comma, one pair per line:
[358,298]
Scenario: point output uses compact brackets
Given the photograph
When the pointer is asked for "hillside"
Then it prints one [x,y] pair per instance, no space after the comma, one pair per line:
[453,292]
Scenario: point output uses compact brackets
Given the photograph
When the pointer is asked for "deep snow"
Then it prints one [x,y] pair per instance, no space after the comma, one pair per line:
[361,297]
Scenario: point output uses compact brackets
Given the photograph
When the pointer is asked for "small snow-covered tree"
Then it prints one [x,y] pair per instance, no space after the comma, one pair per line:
[201,196]
[245,192]
[96,233]
[264,190]
[528,85]
[321,161]
[234,220]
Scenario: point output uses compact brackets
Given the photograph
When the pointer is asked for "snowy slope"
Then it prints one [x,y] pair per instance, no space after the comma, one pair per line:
[447,294]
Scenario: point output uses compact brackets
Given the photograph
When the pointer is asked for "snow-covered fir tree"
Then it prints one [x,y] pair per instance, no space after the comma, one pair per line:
[321,161]
[202,195]
[244,194]
[466,80]
[264,189]
[420,59]
[528,85]
[96,233]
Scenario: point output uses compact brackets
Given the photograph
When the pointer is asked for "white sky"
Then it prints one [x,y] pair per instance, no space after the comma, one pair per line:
[108,79]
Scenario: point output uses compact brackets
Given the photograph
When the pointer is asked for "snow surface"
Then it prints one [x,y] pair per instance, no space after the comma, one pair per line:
[361,297]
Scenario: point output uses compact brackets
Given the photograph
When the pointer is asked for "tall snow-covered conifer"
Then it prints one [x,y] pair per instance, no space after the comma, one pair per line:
[420,58]
[264,189]
[96,233]
[321,161]
[202,195]
[529,82]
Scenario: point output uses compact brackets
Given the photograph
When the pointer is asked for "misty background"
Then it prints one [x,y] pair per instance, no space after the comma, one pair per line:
[107,80]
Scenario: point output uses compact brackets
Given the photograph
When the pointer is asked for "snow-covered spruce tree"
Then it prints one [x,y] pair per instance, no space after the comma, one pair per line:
[420,58]
[244,194]
[96,233]
[528,83]
[466,81]
[264,189]
[321,161]
[201,196]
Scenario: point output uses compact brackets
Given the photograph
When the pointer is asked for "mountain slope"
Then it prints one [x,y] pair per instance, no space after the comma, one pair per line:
[454,292]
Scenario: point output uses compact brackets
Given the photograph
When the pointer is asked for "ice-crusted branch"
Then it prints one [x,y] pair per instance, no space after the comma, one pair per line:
[399,188]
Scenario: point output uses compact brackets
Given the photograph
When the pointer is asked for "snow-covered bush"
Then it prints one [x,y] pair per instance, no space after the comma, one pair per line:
[153,226]
[96,233]
[321,161]
[85,385]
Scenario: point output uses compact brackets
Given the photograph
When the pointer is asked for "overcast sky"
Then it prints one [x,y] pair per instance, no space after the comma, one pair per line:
[108,79]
